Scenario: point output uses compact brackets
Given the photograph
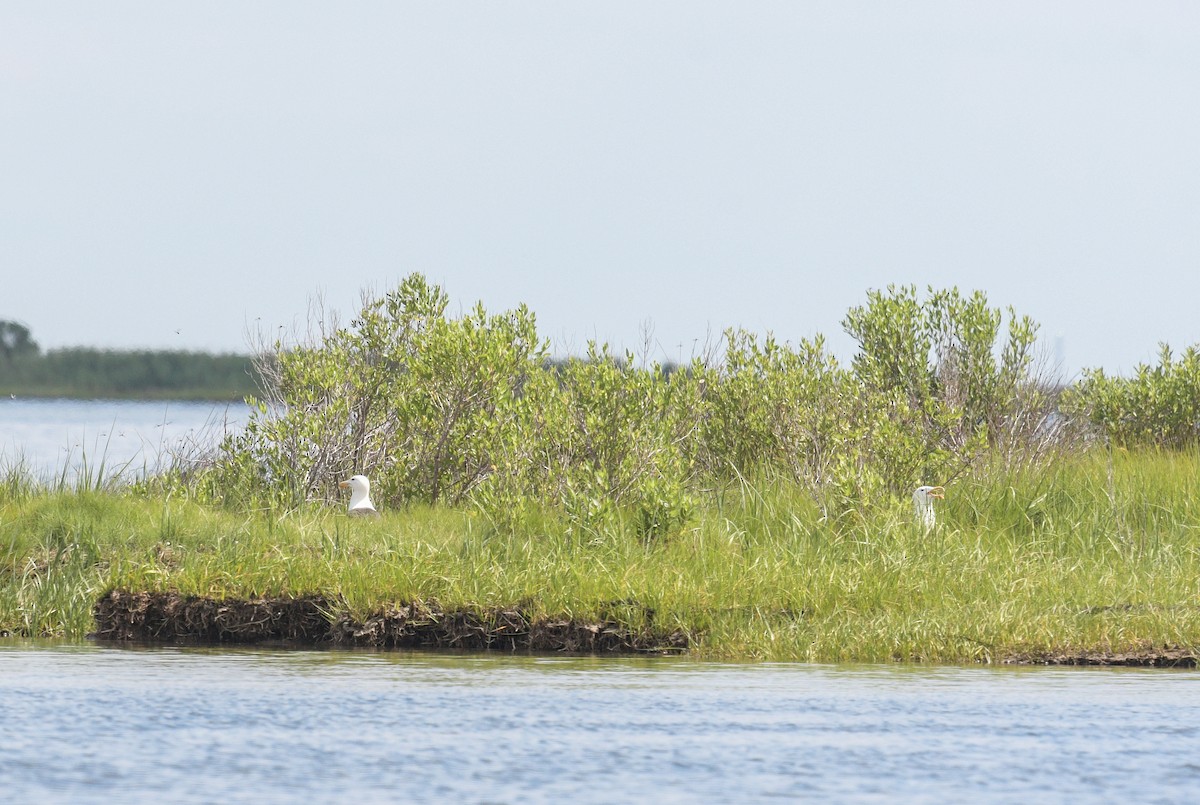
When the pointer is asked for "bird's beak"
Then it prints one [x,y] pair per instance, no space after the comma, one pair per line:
[343,484]
[937,492]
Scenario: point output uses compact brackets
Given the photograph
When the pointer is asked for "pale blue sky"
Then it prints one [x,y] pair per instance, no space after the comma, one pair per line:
[174,174]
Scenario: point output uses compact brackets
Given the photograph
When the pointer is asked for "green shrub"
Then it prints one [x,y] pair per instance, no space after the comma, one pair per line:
[404,394]
[938,391]
[467,409]
[594,436]
[1159,406]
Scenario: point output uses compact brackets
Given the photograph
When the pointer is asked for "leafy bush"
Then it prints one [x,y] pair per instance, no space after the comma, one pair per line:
[939,393]
[468,409]
[771,406]
[1159,406]
[595,435]
[404,395]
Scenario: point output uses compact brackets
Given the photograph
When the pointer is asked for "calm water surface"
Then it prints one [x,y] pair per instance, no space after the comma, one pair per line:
[87,723]
[57,436]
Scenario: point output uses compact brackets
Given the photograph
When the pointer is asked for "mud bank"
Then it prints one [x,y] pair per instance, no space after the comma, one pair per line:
[1148,657]
[168,617]
[315,621]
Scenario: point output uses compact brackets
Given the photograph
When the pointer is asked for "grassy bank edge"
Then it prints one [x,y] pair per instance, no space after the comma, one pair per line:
[1096,561]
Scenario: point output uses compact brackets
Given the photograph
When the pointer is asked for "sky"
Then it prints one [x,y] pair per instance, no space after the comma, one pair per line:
[194,175]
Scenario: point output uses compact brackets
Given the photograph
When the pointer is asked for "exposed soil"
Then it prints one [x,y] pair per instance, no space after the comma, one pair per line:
[166,617]
[1148,657]
[170,617]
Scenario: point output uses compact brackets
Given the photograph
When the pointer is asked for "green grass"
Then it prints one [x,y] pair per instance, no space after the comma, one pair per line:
[1098,554]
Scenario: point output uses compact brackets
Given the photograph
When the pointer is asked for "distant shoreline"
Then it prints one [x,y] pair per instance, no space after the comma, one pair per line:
[149,395]
[86,374]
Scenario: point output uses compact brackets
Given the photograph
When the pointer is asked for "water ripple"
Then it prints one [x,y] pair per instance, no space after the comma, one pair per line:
[85,723]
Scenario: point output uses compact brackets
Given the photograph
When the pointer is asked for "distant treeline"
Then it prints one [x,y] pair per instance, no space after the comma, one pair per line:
[92,373]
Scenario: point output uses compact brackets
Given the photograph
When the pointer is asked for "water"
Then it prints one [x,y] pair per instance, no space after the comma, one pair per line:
[58,437]
[85,723]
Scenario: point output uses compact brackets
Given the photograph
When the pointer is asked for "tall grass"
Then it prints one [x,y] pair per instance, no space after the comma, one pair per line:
[1098,553]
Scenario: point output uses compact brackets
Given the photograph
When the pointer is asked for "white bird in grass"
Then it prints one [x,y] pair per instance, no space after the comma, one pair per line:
[923,503]
[360,496]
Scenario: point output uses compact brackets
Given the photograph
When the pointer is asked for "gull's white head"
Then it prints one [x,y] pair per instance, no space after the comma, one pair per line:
[360,496]
[923,503]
